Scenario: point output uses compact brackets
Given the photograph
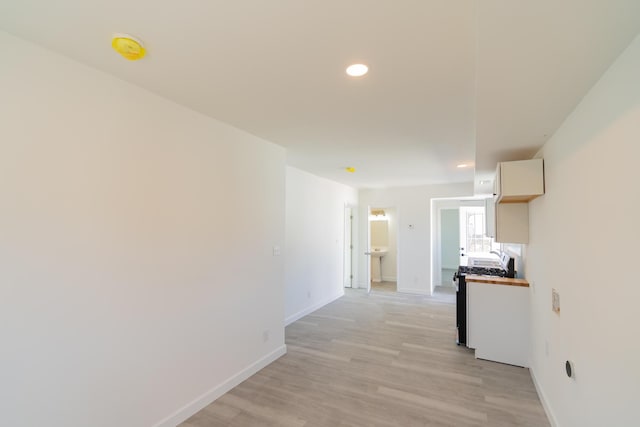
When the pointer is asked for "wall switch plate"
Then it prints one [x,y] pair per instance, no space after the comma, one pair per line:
[265,336]
[555,301]
[276,251]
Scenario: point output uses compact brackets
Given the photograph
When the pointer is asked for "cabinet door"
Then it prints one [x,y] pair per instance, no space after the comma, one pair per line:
[521,180]
[512,222]
[499,322]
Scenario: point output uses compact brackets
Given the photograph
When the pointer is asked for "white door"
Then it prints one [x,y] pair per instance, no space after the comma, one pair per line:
[473,242]
[348,248]
[368,250]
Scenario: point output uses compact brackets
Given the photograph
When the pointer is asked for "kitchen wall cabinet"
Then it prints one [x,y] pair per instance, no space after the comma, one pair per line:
[519,181]
[515,184]
[507,222]
[512,223]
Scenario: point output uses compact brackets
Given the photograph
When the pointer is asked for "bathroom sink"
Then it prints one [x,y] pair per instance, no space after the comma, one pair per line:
[378,252]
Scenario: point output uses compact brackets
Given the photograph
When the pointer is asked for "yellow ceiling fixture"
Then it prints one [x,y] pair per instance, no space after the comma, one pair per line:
[128,46]
[350,169]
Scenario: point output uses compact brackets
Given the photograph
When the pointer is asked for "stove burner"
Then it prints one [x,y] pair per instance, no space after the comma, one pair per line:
[482,271]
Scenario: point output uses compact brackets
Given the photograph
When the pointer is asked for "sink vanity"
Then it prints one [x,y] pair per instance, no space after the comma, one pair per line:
[376,263]
[378,252]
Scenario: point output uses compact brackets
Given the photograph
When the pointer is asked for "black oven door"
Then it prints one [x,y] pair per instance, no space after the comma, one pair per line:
[461,309]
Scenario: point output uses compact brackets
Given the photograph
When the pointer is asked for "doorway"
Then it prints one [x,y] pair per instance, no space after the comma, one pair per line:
[472,238]
[449,245]
[457,233]
[383,249]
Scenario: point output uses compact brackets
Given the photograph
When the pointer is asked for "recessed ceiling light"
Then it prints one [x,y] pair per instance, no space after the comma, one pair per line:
[357,70]
[463,165]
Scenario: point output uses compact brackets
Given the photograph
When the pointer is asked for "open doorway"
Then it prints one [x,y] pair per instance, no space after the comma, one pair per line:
[458,233]
[449,245]
[383,249]
[472,237]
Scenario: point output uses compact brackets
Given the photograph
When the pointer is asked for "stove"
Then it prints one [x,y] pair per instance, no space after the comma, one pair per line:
[483,271]
[507,270]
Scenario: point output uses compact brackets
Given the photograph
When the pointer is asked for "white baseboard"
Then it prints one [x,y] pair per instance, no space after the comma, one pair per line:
[208,397]
[290,319]
[413,291]
[389,278]
[543,400]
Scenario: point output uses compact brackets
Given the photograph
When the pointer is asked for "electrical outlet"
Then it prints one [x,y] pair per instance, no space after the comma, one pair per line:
[555,301]
[265,336]
[308,294]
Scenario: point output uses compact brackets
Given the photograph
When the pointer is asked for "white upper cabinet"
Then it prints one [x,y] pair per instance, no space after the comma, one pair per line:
[519,181]
[515,184]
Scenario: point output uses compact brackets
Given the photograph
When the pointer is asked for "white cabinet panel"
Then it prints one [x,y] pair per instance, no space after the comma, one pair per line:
[512,222]
[507,222]
[515,184]
[498,318]
[490,217]
[519,181]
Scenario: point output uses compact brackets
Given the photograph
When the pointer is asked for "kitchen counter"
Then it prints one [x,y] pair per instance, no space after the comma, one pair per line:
[496,280]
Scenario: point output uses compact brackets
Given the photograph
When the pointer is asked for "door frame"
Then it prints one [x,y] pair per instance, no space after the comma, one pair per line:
[396,229]
[367,251]
[347,270]
[437,205]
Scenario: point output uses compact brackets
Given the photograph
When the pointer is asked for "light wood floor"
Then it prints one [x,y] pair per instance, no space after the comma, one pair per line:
[384,286]
[384,359]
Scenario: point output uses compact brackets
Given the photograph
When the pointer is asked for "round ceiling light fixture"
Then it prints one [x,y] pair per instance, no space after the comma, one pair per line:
[462,165]
[357,70]
[128,46]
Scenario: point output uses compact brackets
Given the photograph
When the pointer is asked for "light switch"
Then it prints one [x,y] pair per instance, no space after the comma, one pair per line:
[276,251]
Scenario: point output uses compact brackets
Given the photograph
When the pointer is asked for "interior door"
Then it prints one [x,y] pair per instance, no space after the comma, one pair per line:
[348,248]
[368,250]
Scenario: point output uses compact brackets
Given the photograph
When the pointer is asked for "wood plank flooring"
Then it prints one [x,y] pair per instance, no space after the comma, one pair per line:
[383,359]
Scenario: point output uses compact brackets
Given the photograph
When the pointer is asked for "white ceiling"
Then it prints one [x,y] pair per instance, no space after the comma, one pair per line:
[451,81]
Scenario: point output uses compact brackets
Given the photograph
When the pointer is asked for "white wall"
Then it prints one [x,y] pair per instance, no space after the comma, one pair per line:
[136,267]
[584,235]
[314,241]
[413,207]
